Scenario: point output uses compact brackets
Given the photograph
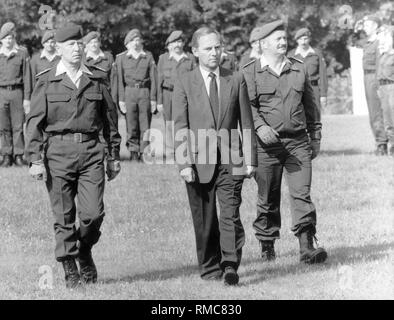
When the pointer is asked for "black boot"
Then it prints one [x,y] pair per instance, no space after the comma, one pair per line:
[7,161]
[71,273]
[19,161]
[87,267]
[308,253]
[267,250]
[381,150]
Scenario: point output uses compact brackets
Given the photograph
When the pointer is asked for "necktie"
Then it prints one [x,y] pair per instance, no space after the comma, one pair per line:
[214,96]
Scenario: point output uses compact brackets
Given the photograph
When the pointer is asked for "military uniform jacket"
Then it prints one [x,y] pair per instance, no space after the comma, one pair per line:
[385,70]
[39,64]
[316,67]
[141,71]
[103,63]
[285,102]
[15,70]
[371,55]
[229,61]
[57,106]
[168,70]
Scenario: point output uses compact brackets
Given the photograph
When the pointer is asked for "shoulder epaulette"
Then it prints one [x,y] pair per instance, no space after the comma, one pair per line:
[42,72]
[249,63]
[122,53]
[97,67]
[298,60]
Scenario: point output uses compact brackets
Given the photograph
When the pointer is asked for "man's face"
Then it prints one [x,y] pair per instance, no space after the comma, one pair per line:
[176,46]
[275,43]
[93,45]
[370,27]
[208,51]
[8,41]
[50,45]
[71,51]
[135,44]
[304,42]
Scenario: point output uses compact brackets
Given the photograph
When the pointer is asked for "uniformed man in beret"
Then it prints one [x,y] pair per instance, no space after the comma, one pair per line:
[228,60]
[171,65]
[314,63]
[255,50]
[71,104]
[370,25]
[137,83]
[15,90]
[47,58]
[288,127]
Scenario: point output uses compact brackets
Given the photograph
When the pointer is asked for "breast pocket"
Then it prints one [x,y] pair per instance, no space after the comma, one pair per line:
[92,105]
[297,93]
[15,68]
[266,94]
[59,108]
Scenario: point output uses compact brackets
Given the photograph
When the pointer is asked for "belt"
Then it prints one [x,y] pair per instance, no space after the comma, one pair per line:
[138,85]
[292,135]
[11,87]
[369,71]
[169,87]
[75,137]
[314,82]
[385,82]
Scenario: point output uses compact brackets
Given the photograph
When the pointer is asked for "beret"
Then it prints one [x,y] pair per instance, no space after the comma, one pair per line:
[90,36]
[253,35]
[266,29]
[7,29]
[373,18]
[302,32]
[134,33]
[49,34]
[68,32]
[175,35]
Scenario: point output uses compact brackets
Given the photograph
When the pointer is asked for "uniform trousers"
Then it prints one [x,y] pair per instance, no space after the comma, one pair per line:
[386,94]
[169,124]
[75,171]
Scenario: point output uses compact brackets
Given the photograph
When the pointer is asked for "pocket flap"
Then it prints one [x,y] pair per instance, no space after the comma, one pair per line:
[93,96]
[58,97]
[266,89]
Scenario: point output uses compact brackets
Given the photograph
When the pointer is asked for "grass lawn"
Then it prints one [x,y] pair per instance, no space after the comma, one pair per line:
[147,249]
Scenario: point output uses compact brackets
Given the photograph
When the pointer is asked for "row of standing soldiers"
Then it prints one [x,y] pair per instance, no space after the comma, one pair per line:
[138,86]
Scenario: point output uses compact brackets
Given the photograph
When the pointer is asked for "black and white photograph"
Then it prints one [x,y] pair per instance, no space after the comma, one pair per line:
[196,150]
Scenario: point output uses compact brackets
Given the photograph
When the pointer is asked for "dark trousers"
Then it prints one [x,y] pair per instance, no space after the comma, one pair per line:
[219,242]
[293,155]
[138,118]
[169,125]
[386,94]
[375,109]
[12,117]
[75,170]
[316,93]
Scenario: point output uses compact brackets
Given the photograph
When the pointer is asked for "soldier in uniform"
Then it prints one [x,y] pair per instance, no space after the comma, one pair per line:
[15,90]
[228,60]
[370,26]
[47,58]
[385,77]
[288,129]
[170,66]
[137,81]
[255,50]
[314,63]
[71,104]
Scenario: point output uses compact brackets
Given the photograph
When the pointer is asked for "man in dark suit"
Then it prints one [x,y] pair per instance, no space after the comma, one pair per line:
[212,103]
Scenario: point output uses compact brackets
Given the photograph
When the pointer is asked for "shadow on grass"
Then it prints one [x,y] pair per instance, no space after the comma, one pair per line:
[345,152]
[336,257]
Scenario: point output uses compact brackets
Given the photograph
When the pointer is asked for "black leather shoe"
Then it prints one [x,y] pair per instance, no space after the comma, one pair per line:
[71,273]
[381,150]
[7,161]
[19,161]
[87,267]
[231,277]
[308,253]
[267,250]
[134,156]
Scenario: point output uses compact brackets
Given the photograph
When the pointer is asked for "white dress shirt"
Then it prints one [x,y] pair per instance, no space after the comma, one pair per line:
[61,68]
[207,79]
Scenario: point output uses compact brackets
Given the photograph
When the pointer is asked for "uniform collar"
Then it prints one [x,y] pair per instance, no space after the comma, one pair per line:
[304,53]
[172,56]
[136,55]
[264,63]
[45,54]
[90,54]
[61,69]
[13,50]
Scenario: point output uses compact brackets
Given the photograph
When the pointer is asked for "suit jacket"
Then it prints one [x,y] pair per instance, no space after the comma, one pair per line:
[233,135]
